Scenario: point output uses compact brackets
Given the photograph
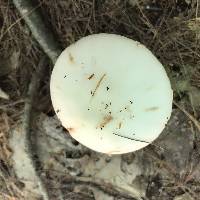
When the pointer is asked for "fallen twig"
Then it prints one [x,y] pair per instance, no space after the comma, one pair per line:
[33,87]
[16,22]
[21,144]
[196,122]
[40,32]
[11,104]
[124,191]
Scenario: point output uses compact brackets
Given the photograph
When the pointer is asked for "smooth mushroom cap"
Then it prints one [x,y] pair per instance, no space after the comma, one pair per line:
[111,93]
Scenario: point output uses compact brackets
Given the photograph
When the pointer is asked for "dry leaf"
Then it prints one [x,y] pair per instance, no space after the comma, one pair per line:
[3,95]
[9,64]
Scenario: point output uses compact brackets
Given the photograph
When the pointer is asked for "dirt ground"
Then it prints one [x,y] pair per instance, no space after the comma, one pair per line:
[167,170]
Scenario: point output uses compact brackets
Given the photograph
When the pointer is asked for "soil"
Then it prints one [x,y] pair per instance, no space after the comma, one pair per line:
[167,170]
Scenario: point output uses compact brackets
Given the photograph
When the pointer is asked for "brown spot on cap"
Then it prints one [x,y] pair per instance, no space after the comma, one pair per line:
[113,152]
[154,108]
[71,130]
[120,125]
[105,121]
[71,58]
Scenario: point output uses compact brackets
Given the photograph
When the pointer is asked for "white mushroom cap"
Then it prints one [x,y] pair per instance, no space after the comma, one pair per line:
[111,93]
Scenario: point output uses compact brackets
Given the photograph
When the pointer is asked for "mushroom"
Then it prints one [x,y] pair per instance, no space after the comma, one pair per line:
[111,93]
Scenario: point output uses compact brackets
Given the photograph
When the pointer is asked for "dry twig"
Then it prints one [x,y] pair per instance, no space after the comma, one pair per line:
[42,35]
[27,120]
[196,122]
[24,147]
[124,191]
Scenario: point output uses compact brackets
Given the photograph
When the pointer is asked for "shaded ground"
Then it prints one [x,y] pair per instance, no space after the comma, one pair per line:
[171,29]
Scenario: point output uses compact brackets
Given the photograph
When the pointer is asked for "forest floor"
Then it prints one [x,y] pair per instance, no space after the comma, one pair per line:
[167,170]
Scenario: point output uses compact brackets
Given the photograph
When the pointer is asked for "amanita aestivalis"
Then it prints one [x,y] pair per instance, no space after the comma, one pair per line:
[111,93]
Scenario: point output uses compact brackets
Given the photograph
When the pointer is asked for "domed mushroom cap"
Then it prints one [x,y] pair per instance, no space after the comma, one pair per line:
[111,93]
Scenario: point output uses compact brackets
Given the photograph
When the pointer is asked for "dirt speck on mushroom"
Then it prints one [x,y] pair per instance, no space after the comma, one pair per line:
[98,84]
[91,76]
[71,130]
[120,125]
[154,108]
[71,58]
[58,110]
[105,121]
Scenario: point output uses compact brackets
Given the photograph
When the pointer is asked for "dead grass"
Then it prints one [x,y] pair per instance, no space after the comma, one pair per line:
[169,28]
